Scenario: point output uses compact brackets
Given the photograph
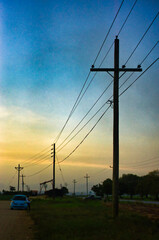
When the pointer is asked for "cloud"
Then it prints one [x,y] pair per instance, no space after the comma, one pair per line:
[4,112]
[20,115]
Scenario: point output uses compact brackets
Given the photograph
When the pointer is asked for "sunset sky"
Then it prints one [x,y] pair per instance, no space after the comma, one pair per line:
[46,51]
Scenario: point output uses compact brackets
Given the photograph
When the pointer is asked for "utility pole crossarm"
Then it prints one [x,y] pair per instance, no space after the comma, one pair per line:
[112,69]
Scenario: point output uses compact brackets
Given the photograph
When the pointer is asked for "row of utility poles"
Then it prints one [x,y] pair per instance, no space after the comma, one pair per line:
[74,182]
[19,168]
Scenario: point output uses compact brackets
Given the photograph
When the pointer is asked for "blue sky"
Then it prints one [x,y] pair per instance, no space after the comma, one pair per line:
[47,49]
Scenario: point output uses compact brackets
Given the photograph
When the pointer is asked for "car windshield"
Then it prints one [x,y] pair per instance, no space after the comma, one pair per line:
[20,198]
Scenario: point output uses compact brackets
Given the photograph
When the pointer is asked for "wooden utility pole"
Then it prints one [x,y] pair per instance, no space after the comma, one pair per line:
[116,71]
[74,182]
[23,183]
[86,177]
[53,156]
[19,168]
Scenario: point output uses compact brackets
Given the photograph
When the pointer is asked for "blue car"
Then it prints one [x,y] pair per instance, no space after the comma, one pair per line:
[19,202]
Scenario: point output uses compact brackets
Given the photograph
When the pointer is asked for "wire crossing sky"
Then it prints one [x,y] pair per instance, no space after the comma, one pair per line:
[47,92]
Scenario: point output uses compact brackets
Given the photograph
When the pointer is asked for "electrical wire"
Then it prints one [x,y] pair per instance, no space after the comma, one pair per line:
[140,63]
[127,60]
[11,179]
[139,77]
[107,53]
[140,42]
[73,109]
[85,115]
[144,161]
[35,156]
[40,171]
[77,100]
[146,165]
[108,32]
[142,38]
[119,32]
[84,125]
[86,135]
[45,158]
[60,170]
[127,17]
[106,111]
[101,107]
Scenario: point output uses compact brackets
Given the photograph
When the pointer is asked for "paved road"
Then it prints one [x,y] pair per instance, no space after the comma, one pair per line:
[14,224]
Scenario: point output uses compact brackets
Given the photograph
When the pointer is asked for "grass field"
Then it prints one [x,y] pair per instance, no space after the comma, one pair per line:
[76,219]
[6,197]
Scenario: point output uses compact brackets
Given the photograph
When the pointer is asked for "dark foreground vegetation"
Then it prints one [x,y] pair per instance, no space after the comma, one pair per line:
[78,219]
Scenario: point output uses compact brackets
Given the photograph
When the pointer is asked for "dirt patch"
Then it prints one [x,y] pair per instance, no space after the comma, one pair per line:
[15,224]
[148,210]
[151,211]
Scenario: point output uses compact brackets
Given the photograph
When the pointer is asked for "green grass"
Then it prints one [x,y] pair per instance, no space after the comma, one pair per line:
[76,219]
[6,197]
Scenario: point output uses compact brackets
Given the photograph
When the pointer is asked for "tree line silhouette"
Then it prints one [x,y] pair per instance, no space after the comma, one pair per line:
[130,184]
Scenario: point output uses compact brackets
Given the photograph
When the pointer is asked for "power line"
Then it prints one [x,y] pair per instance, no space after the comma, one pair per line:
[11,179]
[140,42]
[108,32]
[84,125]
[149,52]
[41,159]
[86,135]
[127,18]
[148,160]
[40,171]
[35,156]
[142,38]
[76,102]
[148,163]
[105,56]
[106,110]
[85,115]
[60,170]
[139,77]
[103,61]
[140,63]
[140,164]
[118,32]
[73,109]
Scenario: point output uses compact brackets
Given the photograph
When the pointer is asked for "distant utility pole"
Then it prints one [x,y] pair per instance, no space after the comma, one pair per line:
[19,168]
[86,177]
[23,183]
[116,71]
[74,182]
[53,156]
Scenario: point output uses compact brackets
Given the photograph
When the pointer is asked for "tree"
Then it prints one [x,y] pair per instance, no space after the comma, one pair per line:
[148,184]
[104,188]
[128,184]
[143,186]
[98,189]
[64,190]
[12,189]
[154,183]
[107,186]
